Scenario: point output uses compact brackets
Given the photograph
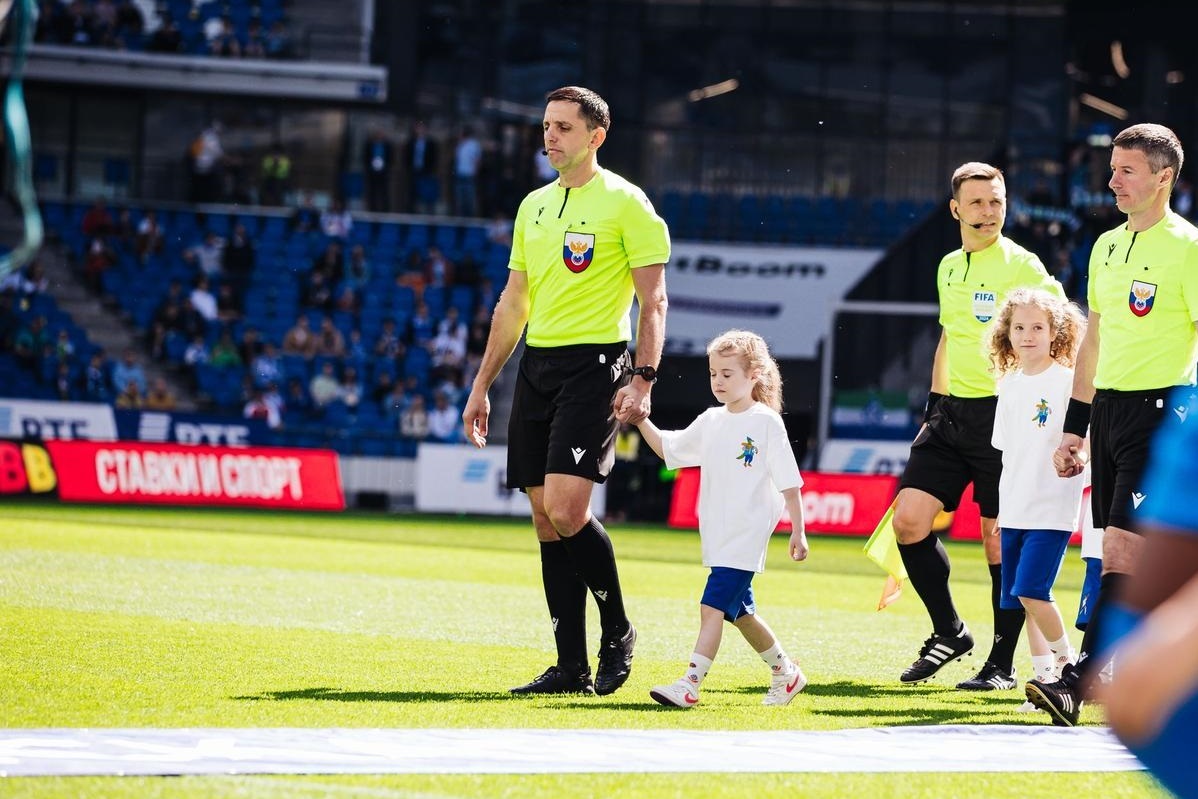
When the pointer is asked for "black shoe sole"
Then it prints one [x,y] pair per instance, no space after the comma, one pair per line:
[937,671]
[1041,701]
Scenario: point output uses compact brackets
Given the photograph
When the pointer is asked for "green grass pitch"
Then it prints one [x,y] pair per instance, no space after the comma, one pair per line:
[114,617]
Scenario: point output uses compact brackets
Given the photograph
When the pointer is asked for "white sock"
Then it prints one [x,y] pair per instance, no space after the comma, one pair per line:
[1042,667]
[697,669]
[777,660]
[1063,653]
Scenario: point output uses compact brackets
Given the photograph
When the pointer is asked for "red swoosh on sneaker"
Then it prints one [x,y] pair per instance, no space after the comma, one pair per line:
[793,683]
[690,699]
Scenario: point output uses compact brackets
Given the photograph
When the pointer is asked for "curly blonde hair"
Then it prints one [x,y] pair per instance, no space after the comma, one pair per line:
[754,354]
[1065,320]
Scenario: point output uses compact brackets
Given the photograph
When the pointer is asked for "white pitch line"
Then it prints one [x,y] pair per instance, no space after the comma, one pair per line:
[193,751]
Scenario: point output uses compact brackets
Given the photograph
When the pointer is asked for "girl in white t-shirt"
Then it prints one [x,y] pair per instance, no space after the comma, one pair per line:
[1033,344]
[748,474]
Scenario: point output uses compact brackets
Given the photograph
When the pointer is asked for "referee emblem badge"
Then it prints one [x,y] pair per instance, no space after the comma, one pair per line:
[1141,297]
[577,250]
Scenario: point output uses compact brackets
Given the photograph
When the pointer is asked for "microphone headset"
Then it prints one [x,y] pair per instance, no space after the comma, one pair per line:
[978,226]
[544,152]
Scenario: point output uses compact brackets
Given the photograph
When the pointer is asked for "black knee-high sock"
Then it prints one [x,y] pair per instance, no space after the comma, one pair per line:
[594,559]
[1007,624]
[1107,589]
[566,596]
[928,569]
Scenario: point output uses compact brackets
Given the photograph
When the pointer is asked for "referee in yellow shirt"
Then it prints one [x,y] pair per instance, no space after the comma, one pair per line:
[582,247]
[1141,342]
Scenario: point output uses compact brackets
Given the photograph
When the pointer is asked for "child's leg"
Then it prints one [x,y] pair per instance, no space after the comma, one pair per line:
[1044,551]
[711,632]
[764,642]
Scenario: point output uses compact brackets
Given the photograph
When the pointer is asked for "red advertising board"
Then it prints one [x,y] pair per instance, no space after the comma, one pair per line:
[850,504]
[171,474]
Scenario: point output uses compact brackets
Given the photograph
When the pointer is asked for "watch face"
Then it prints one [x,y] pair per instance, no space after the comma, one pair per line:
[647,372]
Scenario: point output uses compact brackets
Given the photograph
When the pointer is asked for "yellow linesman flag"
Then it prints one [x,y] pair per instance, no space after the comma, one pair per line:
[882,549]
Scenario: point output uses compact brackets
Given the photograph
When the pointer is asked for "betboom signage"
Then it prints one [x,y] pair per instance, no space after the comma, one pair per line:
[849,504]
[172,474]
[786,294]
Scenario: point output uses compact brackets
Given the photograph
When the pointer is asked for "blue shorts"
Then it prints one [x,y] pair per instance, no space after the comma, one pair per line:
[1031,560]
[729,590]
[1085,603]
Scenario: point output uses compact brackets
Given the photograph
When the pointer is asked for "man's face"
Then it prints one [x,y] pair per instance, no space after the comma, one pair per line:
[981,207]
[567,138]
[1135,185]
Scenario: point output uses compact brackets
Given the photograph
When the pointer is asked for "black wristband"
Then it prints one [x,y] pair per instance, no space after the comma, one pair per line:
[1077,418]
[934,398]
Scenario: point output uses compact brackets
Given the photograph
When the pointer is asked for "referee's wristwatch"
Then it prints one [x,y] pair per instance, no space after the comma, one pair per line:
[646,373]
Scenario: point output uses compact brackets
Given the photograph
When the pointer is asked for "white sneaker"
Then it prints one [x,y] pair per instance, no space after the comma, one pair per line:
[1026,707]
[785,687]
[680,693]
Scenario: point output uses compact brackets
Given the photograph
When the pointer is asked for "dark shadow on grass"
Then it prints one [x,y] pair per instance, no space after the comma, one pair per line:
[335,695]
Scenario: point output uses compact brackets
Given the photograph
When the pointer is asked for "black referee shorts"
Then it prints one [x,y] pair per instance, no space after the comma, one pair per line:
[562,420]
[1122,424]
[954,450]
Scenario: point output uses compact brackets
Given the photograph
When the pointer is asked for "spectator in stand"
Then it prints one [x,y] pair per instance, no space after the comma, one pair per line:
[421,162]
[96,384]
[31,341]
[357,272]
[254,45]
[324,386]
[336,222]
[410,274]
[476,342]
[237,259]
[160,397]
[384,384]
[299,339]
[129,370]
[228,305]
[64,385]
[51,18]
[329,340]
[197,352]
[130,397]
[150,236]
[225,353]
[467,159]
[26,282]
[449,346]
[64,348]
[210,254]
[422,328]
[376,166]
[355,348]
[444,421]
[394,404]
[99,259]
[256,407]
[330,263]
[79,26]
[167,38]
[97,221]
[278,42]
[130,24]
[275,176]
[225,43]
[438,269]
[266,367]
[297,403]
[202,299]
[352,389]
[346,299]
[251,344]
[413,420]
[316,292]
[388,343]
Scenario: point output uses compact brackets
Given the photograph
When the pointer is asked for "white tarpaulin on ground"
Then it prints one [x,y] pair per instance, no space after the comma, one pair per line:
[786,294]
[946,748]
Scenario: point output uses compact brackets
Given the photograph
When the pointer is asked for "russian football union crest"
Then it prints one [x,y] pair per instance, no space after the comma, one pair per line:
[1141,297]
[577,250]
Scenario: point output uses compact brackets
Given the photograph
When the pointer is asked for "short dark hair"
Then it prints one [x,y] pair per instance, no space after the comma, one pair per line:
[974,170]
[592,107]
[1159,144]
